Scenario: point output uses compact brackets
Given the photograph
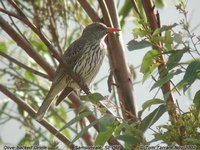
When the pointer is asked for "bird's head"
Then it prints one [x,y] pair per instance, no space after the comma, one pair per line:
[98,30]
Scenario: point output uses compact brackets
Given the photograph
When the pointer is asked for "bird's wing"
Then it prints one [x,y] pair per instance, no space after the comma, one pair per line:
[73,52]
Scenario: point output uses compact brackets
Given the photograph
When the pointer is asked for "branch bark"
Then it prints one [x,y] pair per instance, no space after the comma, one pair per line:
[120,67]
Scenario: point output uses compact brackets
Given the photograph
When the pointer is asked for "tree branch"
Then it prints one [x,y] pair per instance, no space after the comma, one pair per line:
[166,88]
[53,27]
[32,113]
[106,16]
[89,10]
[121,72]
[23,66]
[136,8]
[26,46]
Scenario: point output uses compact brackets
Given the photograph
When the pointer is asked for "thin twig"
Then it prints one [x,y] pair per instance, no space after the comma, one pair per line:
[53,26]
[26,46]
[112,14]
[105,12]
[23,65]
[89,10]
[16,27]
[136,8]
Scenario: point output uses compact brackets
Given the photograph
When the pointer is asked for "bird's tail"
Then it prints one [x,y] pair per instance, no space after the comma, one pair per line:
[55,89]
[44,107]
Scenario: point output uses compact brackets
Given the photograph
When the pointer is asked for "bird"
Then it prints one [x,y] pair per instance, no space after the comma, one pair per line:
[85,56]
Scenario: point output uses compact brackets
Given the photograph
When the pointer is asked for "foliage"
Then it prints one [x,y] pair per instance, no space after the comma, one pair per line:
[175,45]
[175,42]
[186,132]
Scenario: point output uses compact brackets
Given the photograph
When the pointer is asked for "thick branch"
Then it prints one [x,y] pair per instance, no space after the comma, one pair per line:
[32,113]
[120,67]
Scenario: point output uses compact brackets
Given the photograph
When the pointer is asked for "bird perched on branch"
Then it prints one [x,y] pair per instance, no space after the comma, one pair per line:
[85,55]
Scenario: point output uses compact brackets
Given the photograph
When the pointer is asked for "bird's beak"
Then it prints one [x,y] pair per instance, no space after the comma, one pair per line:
[111,30]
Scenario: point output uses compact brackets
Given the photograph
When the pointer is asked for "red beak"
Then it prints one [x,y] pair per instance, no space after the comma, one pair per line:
[111,30]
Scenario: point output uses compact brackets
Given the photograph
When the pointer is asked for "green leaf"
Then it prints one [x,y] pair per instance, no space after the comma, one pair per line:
[20,110]
[158,31]
[167,27]
[168,39]
[26,140]
[128,139]
[163,80]
[151,102]
[3,47]
[120,127]
[135,45]
[93,97]
[197,100]
[40,46]
[138,32]
[178,38]
[159,3]
[193,141]
[80,134]
[5,104]
[190,76]
[107,125]
[148,60]
[103,137]
[141,10]
[151,69]
[149,120]
[77,118]
[29,75]
[105,121]
[124,12]
[174,58]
